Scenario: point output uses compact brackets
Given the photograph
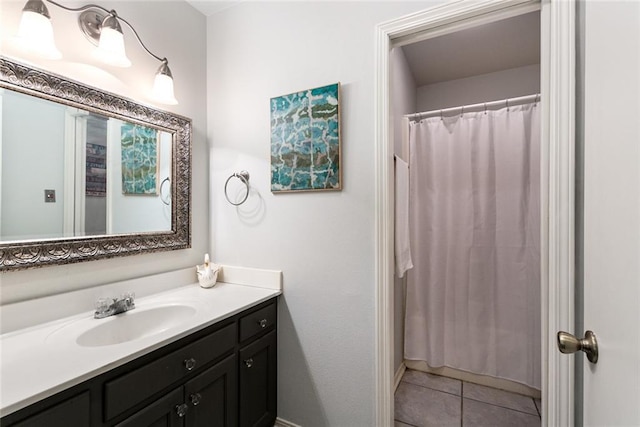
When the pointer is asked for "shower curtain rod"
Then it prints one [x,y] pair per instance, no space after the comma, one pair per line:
[475,107]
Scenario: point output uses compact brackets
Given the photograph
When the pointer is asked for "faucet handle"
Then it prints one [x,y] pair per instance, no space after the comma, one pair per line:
[129,298]
[103,305]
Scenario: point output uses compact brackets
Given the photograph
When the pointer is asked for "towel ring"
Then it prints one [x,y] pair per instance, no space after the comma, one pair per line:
[165,200]
[242,176]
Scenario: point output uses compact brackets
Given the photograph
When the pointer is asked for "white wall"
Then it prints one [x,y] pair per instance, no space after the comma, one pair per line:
[31,160]
[403,95]
[486,87]
[403,101]
[173,29]
[323,241]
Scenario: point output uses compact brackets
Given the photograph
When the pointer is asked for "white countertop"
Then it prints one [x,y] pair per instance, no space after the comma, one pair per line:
[36,362]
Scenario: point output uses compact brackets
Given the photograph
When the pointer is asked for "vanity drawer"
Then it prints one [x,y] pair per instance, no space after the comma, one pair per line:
[258,321]
[72,412]
[134,387]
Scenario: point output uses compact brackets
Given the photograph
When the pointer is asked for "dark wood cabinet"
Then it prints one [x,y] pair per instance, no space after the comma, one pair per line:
[212,397]
[208,400]
[74,411]
[124,392]
[222,376]
[161,413]
[258,382]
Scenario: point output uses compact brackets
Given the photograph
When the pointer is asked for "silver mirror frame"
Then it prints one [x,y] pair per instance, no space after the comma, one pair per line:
[40,253]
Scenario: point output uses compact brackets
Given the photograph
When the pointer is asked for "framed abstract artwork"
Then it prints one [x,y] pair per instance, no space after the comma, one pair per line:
[305,140]
[139,145]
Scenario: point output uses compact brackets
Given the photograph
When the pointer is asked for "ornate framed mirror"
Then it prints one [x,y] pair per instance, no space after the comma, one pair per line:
[85,174]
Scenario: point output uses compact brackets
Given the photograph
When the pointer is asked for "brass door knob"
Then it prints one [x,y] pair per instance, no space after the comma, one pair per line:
[568,344]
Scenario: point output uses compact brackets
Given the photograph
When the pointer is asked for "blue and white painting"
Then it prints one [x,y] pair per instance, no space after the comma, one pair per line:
[139,159]
[305,140]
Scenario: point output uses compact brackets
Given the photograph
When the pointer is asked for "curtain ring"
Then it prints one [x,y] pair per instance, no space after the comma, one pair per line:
[242,176]
[441,116]
[462,111]
[507,101]
[165,200]
[485,108]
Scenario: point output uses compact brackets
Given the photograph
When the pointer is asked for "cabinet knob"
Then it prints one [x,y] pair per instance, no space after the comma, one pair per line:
[195,399]
[262,323]
[181,410]
[249,362]
[190,364]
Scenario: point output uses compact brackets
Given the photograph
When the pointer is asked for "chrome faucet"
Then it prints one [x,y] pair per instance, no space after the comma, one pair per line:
[106,307]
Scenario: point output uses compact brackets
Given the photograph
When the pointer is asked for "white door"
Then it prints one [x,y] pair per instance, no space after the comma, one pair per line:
[612,212]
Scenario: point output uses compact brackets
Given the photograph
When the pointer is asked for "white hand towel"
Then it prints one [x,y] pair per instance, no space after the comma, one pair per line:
[403,249]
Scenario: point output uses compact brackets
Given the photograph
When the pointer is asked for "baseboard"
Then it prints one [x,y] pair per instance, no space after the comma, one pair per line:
[485,380]
[398,377]
[284,423]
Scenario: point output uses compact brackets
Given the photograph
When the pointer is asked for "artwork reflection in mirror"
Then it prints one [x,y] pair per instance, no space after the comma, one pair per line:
[67,172]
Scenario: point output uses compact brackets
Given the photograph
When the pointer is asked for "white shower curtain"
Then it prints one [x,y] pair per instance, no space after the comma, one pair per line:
[473,296]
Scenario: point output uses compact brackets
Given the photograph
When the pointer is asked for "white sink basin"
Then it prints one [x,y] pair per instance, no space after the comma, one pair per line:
[131,325]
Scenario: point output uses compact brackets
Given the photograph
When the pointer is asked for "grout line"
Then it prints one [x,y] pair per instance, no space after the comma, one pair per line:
[503,407]
[461,396]
[434,389]
[400,421]
[461,403]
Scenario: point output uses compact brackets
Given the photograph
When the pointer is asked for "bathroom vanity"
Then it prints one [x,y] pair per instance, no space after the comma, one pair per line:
[215,367]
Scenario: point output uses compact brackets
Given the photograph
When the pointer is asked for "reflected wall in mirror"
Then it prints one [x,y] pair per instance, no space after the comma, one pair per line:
[85,174]
[103,174]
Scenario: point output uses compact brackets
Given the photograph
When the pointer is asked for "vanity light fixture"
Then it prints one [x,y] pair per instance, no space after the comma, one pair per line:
[110,39]
[102,27]
[35,33]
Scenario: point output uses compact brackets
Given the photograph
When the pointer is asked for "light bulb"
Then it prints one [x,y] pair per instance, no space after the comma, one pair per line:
[35,34]
[163,90]
[163,86]
[110,48]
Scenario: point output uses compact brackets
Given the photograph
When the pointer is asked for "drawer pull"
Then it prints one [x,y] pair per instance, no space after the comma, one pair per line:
[262,323]
[195,399]
[249,362]
[181,410]
[190,364]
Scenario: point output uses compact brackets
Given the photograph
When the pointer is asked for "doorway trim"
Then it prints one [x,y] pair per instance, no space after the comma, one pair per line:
[557,87]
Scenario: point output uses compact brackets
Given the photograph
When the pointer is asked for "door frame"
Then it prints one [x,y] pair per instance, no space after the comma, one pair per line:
[557,88]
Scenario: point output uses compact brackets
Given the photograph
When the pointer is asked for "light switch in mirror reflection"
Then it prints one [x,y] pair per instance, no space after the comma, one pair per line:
[106,172]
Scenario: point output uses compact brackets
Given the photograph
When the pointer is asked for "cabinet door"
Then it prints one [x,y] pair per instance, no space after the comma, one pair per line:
[164,412]
[71,412]
[258,374]
[212,396]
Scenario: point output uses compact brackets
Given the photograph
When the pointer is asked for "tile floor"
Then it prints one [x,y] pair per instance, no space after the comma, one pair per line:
[425,400]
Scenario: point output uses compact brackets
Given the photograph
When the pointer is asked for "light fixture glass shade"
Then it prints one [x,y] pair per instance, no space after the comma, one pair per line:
[35,35]
[110,48]
[163,86]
